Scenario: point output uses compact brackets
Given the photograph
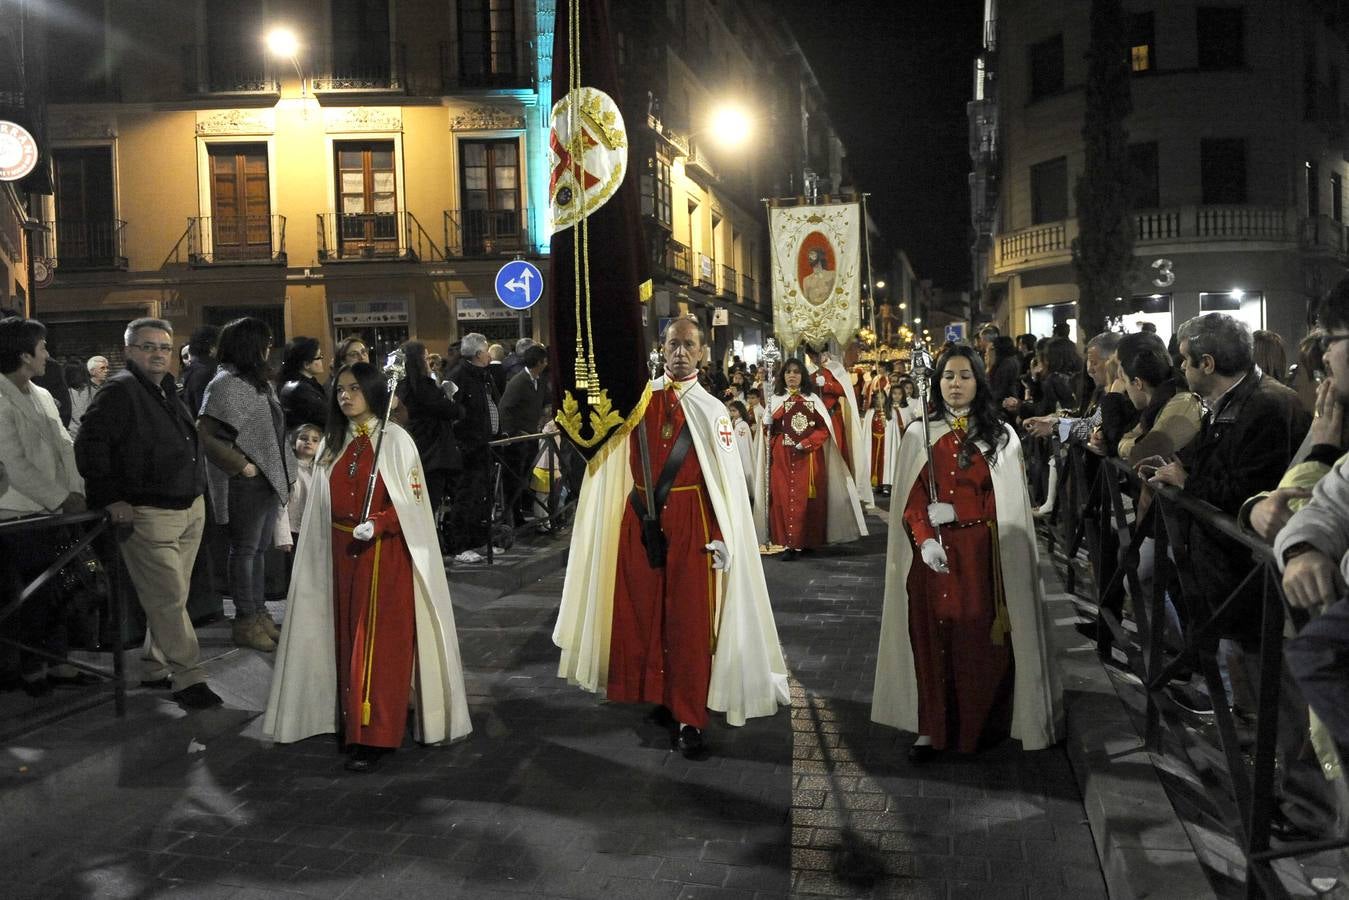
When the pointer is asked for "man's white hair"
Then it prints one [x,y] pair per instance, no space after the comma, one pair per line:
[94,362]
[472,344]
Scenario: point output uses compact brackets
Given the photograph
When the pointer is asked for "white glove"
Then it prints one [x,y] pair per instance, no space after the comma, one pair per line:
[819,379]
[721,556]
[934,555]
[940,513]
[364,531]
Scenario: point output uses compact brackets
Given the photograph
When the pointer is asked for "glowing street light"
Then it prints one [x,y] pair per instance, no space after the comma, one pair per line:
[730,125]
[880,284]
[282,42]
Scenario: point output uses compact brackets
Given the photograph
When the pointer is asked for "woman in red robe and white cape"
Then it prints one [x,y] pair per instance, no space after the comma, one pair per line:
[964,657]
[369,624]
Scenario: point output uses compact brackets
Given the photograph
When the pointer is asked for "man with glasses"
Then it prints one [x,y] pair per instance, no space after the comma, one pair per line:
[138,452]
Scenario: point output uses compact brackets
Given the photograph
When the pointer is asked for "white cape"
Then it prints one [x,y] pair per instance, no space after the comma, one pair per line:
[749,675]
[893,431]
[844,520]
[859,443]
[1037,698]
[304,700]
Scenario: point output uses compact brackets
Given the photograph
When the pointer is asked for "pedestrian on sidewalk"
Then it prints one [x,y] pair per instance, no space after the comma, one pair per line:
[368,613]
[643,596]
[140,458]
[243,431]
[964,660]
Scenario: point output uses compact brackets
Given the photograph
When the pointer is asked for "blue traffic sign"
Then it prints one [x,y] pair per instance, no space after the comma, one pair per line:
[519,284]
[955,332]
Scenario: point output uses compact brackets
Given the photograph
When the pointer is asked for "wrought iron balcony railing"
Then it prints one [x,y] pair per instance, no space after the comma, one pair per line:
[505,68]
[728,285]
[679,262]
[488,232]
[391,236]
[205,72]
[707,273]
[236,240]
[749,290]
[368,74]
[75,244]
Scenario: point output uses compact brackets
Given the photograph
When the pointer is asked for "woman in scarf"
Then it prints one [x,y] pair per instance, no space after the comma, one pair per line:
[375,582]
[963,659]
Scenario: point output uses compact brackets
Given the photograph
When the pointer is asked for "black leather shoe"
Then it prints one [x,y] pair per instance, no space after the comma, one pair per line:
[364,760]
[662,716]
[157,684]
[690,743]
[198,696]
[922,753]
[788,555]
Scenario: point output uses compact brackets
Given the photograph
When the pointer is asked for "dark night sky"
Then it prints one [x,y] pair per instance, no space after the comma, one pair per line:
[897,74]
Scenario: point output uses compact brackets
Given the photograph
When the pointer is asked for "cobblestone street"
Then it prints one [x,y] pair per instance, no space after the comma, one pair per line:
[557,795]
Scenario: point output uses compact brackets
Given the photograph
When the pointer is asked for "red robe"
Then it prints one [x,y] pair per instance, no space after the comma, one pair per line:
[964,678]
[878,423]
[660,646]
[833,395]
[798,493]
[375,623]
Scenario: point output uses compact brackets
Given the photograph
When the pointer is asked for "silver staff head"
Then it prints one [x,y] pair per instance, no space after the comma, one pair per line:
[395,366]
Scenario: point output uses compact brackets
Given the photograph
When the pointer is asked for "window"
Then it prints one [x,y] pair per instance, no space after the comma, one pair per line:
[87,234]
[1046,67]
[1221,32]
[361,43]
[1248,306]
[1144,189]
[234,59]
[490,172]
[1336,197]
[1313,189]
[656,191]
[1222,170]
[487,42]
[77,45]
[367,198]
[1142,43]
[1049,191]
[241,222]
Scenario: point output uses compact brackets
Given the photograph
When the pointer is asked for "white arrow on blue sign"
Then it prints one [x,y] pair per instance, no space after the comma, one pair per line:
[519,284]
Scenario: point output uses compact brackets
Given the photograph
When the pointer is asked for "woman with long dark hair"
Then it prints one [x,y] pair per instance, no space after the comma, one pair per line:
[249,471]
[373,584]
[301,392]
[963,659]
[430,420]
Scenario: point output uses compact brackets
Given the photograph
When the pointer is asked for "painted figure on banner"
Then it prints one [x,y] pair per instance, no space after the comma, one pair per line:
[811,497]
[665,600]
[369,637]
[819,277]
[964,660]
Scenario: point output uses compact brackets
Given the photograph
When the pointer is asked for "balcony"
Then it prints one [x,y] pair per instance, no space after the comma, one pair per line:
[706,274]
[1051,243]
[236,240]
[509,69]
[749,291]
[696,162]
[368,237]
[729,287]
[205,73]
[983,116]
[488,232]
[365,73]
[1322,235]
[679,263]
[75,245]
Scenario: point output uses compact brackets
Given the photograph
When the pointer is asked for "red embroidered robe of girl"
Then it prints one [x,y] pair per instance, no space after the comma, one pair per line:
[964,676]
[660,646]
[878,425]
[833,395]
[798,496]
[372,605]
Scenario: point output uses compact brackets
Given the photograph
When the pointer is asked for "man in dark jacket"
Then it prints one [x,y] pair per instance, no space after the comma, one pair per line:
[138,452]
[521,409]
[201,367]
[1252,428]
[480,423]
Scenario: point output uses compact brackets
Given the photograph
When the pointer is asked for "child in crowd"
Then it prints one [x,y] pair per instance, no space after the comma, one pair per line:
[305,441]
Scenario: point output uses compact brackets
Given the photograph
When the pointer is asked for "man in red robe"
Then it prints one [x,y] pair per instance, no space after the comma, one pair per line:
[661,642]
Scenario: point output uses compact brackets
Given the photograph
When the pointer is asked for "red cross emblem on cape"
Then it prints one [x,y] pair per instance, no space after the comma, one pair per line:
[725,434]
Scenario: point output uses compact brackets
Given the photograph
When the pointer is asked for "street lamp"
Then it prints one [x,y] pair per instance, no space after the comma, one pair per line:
[730,125]
[282,42]
[880,284]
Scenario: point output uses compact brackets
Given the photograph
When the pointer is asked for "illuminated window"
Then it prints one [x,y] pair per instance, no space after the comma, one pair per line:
[1142,44]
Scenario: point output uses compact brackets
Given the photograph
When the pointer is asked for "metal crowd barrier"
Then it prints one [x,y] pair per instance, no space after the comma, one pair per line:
[1093,513]
[99,523]
[506,492]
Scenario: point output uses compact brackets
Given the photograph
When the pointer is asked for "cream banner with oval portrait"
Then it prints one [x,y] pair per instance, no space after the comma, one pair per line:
[817,264]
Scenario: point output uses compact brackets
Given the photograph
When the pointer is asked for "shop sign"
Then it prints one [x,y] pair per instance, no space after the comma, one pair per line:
[18,151]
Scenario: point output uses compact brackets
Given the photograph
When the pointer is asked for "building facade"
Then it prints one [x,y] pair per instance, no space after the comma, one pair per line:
[1238,147]
[704,219]
[369,180]
[22,106]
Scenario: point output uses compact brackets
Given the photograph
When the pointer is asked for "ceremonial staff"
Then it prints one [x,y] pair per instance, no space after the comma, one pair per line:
[769,359]
[921,368]
[394,370]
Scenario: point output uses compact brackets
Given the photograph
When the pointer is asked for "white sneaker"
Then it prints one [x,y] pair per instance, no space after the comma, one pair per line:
[498,551]
[469,556]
